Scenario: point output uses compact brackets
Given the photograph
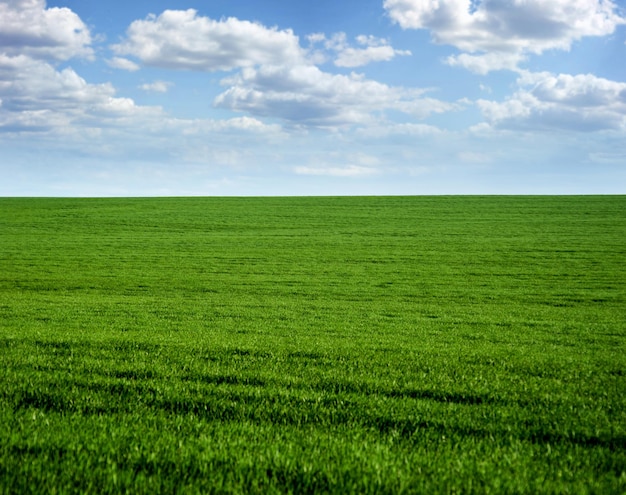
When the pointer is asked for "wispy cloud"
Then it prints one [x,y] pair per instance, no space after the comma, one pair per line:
[369,49]
[123,64]
[157,86]
[347,171]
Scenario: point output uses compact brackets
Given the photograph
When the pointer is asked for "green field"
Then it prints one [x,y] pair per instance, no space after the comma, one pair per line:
[310,345]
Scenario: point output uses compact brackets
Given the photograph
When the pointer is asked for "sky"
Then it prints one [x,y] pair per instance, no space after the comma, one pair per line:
[332,97]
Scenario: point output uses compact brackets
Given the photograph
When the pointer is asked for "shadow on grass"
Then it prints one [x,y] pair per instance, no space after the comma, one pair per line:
[278,409]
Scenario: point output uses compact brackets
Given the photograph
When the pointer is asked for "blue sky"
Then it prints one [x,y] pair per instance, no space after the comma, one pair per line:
[276,97]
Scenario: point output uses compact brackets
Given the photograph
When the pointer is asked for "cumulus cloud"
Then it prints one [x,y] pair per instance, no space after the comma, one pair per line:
[277,77]
[306,95]
[181,39]
[505,29]
[37,97]
[582,102]
[27,27]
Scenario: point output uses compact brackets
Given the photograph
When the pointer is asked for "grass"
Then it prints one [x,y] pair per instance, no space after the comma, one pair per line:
[300,345]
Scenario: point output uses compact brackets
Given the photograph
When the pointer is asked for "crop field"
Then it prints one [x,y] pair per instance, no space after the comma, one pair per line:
[313,345]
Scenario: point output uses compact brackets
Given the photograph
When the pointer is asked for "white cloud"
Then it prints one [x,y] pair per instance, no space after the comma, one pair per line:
[373,49]
[305,95]
[27,27]
[356,57]
[37,97]
[180,39]
[277,78]
[582,103]
[123,64]
[157,86]
[507,28]
[482,64]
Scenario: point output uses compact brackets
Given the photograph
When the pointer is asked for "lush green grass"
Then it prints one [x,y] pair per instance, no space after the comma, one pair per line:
[348,345]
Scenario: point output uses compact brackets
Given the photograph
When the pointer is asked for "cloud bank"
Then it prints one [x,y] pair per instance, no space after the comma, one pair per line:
[321,105]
